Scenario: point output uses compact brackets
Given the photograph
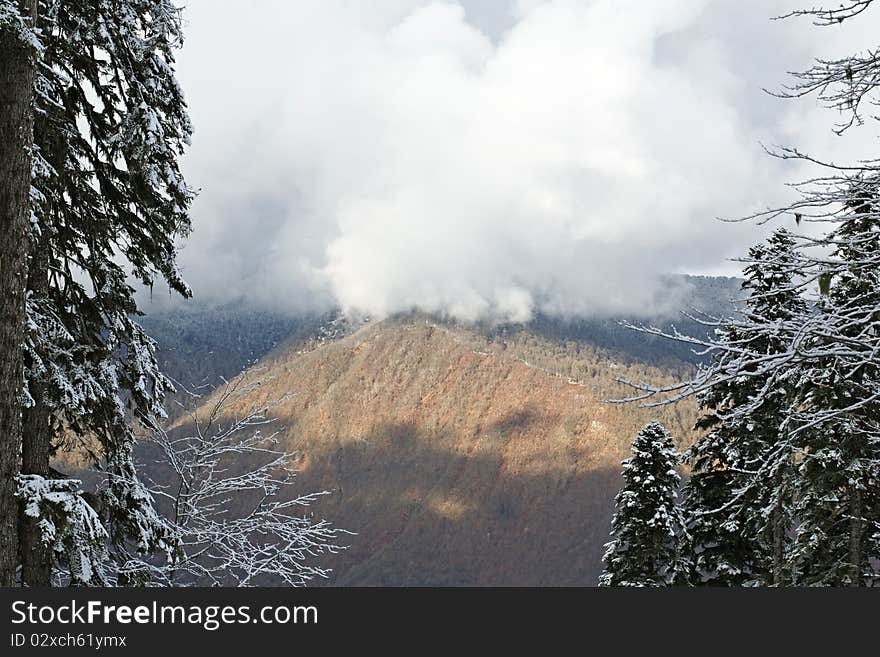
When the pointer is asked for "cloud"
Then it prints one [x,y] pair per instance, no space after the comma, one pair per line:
[479,158]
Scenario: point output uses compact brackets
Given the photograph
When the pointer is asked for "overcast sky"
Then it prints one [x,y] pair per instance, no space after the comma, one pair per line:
[487,156]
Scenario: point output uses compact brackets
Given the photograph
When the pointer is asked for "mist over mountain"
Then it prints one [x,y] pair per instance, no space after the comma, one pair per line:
[200,342]
[466,158]
[459,452]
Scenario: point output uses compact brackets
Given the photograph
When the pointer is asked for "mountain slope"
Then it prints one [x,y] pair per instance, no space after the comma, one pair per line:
[202,342]
[460,460]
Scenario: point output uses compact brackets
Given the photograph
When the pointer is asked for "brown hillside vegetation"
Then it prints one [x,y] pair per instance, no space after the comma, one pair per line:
[456,460]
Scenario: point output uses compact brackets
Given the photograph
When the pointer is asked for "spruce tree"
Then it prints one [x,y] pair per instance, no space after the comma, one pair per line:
[829,353]
[738,500]
[108,205]
[646,529]
[835,422]
[838,491]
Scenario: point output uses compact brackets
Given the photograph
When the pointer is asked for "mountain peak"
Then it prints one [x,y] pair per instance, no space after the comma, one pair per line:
[457,458]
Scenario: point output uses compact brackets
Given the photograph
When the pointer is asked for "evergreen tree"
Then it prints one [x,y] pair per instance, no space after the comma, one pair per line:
[737,501]
[646,529]
[108,202]
[837,346]
[838,492]
[828,357]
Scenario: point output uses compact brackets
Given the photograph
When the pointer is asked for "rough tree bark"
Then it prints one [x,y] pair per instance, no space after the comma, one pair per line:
[779,578]
[36,559]
[16,138]
[855,536]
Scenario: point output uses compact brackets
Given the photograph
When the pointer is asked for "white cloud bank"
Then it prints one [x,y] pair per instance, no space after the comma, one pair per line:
[389,155]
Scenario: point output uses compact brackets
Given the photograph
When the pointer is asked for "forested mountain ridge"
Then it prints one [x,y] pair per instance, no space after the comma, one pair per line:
[458,459]
[202,342]
[457,453]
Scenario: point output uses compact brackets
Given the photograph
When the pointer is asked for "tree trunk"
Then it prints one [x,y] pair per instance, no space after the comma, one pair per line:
[778,536]
[16,139]
[855,536]
[36,557]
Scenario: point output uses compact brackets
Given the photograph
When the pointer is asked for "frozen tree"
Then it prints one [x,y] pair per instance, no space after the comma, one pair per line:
[229,494]
[838,495]
[828,354]
[107,204]
[648,525]
[784,486]
[836,421]
[847,84]
[19,49]
[70,527]
[738,499]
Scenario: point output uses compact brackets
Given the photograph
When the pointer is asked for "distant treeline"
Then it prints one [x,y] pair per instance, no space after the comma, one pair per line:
[202,342]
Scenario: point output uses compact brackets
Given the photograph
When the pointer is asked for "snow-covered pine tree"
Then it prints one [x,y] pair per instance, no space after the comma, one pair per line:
[737,502]
[647,526]
[109,125]
[18,51]
[794,391]
[838,411]
[833,349]
[836,420]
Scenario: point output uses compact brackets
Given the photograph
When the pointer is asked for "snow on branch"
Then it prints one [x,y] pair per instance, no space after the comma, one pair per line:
[69,525]
[229,490]
[825,17]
